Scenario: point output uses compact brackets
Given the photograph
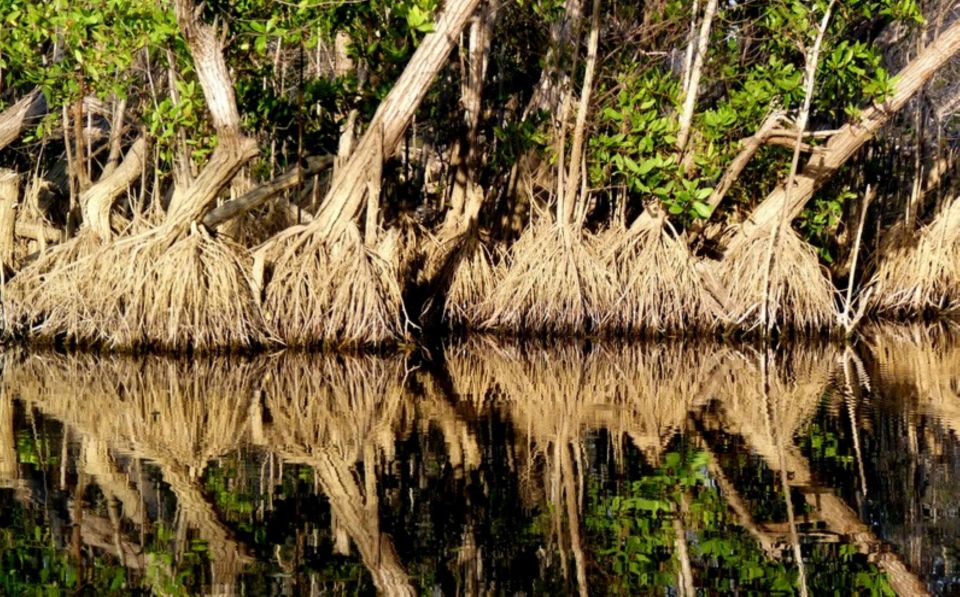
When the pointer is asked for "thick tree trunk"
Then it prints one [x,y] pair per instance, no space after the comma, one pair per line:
[345,198]
[840,518]
[97,201]
[467,156]
[190,203]
[116,138]
[19,116]
[845,143]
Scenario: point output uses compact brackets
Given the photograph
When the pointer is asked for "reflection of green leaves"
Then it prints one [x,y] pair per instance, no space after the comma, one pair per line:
[31,563]
[634,537]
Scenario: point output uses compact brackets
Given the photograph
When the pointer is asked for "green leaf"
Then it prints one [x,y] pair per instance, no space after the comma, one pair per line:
[702,209]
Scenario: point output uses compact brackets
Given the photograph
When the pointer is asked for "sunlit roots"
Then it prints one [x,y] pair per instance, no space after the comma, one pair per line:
[661,291]
[334,291]
[801,298]
[922,277]
[555,283]
[146,291]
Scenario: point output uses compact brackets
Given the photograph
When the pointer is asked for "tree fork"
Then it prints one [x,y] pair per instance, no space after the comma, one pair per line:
[97,200]
[233,148]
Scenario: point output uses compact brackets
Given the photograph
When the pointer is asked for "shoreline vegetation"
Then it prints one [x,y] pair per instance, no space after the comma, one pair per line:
[180,177]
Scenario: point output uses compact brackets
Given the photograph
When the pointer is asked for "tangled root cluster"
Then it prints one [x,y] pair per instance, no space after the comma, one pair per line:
[802,299]
[334,290]
[555,283]
[151,290]
[661,291]
[923,277]
[472,281]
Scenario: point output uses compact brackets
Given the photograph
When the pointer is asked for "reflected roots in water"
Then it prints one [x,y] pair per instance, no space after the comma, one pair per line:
[576,467]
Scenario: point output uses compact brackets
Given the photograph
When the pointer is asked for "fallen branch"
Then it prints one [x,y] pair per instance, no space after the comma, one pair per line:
[264,192]
[17,117]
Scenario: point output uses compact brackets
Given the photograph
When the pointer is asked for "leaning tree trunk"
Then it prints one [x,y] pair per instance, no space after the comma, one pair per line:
[344,201]
[845,143]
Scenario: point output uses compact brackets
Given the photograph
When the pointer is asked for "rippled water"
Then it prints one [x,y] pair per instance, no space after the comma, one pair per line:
[487,468]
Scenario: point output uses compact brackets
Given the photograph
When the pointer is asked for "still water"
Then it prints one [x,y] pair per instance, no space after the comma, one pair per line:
[487,468]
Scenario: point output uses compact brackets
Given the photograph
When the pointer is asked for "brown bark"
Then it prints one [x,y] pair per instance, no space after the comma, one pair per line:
[228,555]
[354,509]
[98,463]
[466,154]
[15,119]
[9,193]
[810,77]
[38,232]
[748,148]
[97,201]
[845,143]
[345,198]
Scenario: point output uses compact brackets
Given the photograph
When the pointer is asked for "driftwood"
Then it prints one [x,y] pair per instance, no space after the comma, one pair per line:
[263,193]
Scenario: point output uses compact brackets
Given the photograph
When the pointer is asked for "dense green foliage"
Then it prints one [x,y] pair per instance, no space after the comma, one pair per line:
[290,97]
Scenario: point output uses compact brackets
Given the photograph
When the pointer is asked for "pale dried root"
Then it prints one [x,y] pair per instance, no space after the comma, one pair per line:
[924,277]
[333,291]
[661,290]
[802,298]
[555,283]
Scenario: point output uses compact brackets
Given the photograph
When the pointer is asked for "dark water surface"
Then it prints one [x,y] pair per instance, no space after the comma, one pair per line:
[487,469]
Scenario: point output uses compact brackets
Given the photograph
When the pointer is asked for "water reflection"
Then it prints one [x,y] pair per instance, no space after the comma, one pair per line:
[492,468]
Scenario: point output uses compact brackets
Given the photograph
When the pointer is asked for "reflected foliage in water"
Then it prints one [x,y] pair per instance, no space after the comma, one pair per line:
[590,469]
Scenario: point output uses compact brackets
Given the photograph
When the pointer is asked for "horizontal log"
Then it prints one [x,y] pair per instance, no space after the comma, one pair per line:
[38,232]
[261,194]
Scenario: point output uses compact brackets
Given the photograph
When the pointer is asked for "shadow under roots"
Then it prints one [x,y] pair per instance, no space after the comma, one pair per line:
[334,290]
